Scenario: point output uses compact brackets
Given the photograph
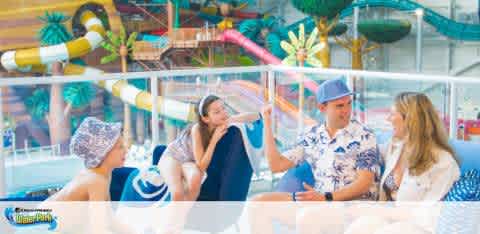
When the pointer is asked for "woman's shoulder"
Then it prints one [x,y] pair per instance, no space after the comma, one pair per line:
[445,158]
[194,130]
[194,127]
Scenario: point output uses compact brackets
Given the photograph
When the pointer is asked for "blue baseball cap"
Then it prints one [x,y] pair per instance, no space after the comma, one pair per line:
[332,89]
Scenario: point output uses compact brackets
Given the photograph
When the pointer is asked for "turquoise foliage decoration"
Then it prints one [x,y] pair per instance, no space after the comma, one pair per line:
[38,103]
[54,32]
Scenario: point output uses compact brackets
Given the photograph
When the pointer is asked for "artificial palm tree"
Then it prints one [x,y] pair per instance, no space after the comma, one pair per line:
[322,11]
[376,32]
[299,51]
[120,46]
[57,105]
[52,33]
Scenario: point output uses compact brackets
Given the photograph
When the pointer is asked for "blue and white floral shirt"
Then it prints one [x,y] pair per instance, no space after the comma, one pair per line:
[335,161]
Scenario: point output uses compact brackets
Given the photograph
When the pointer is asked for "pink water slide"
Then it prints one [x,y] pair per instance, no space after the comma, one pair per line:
[235,37]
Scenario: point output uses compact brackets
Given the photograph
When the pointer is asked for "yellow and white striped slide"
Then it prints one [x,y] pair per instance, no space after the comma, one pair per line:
[23,60]
[137,97]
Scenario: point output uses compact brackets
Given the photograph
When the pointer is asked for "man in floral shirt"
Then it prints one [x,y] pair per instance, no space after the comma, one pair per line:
[344,160]
[342,152]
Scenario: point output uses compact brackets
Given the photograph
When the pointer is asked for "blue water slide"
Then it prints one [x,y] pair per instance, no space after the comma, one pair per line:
[444,25]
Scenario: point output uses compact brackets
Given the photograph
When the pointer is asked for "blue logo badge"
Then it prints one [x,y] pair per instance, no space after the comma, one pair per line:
[20,217]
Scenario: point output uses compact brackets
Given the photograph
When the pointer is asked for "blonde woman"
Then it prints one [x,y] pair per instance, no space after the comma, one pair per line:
[419,166]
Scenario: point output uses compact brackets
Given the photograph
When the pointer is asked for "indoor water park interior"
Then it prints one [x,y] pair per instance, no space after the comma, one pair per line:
[148,63]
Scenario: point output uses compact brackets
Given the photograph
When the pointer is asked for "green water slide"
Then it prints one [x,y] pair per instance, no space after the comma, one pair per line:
[444,25]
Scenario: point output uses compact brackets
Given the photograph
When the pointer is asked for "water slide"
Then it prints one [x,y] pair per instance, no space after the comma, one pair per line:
[37,60]
[250,93]
[444,25]
[235,37]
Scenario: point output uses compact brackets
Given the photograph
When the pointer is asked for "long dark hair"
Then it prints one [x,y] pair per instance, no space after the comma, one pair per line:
[202,111]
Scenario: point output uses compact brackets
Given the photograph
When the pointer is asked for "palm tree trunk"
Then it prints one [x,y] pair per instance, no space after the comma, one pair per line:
[58,123]
[127,115]
[357,63]
[324,54]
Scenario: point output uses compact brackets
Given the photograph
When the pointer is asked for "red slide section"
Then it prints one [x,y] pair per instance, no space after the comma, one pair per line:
[235,37]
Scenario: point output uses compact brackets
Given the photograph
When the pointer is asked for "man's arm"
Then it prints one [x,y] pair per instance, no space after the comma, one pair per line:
[356,189]
[276,161]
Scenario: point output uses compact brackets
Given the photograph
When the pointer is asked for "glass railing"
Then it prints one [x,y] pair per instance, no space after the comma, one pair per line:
[38,123]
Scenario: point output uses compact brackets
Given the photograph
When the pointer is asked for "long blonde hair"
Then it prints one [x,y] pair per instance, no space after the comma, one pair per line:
[426,132]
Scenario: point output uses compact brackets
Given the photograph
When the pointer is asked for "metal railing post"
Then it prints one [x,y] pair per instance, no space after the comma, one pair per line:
[3,188]
[155,119]
[453,110]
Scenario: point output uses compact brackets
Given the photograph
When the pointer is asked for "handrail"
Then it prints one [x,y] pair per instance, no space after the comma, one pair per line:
[11,81]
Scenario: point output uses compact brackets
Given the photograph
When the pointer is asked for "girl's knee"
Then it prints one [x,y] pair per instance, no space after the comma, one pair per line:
[195,183]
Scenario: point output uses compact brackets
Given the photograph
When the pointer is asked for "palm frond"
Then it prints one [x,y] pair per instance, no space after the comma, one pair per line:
[123,35]
[289,48]
[109,58]
[38,103]
[54,31]
[293,40]
[290,60]
[131,39]
[114,39]
[313,61]
[79,94]
[311,39]
[109,47]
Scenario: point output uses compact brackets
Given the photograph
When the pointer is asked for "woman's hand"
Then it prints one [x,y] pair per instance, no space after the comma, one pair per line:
[219,132]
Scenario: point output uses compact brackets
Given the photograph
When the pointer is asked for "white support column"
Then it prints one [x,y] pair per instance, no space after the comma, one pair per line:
[155,127]
[450,45]
[3,189]
[301,104]
[453,111]
[271,97]
[271,87]
[351,85]
[419,55]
